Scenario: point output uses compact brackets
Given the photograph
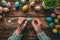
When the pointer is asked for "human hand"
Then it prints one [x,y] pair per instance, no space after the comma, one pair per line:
[37,25]
[22,22]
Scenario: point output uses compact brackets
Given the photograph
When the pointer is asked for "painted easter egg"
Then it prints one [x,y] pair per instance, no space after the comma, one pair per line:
[14,9]
[56,20]
[54,30]
[59,32]
[6,10]
[0,17]
[23,1]
[8,4]
[1,10]
[57,26]
[29,19]
[32,3]
[51,24]
[17,5]
[25,8]
[49,19]
[53,15]
[58,16]
[37,8]
[4,2]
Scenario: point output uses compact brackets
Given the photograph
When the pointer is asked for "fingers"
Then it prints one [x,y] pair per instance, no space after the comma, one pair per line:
[24,25]
[36,21]
[20,20]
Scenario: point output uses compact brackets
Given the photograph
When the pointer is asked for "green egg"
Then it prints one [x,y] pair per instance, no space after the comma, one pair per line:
[56,20]
[22,1]
[51,24]
[4,2]
[29,19]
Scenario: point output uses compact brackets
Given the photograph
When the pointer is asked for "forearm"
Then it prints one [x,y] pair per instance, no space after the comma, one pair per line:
[15,36]
[43,36]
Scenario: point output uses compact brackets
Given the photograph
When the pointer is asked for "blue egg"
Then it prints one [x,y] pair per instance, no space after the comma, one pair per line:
[49,19]
[17,5]
[51,24]
[59,32]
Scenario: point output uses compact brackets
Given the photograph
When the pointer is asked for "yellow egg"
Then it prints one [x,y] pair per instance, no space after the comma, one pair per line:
[25,8]
[58,16]
[55,31]
[6,10]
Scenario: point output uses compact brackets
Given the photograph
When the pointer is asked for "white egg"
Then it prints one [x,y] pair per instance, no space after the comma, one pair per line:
[6,10]
[37,8]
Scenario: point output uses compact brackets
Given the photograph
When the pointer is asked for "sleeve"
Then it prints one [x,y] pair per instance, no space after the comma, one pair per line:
[43,36]
[15,36]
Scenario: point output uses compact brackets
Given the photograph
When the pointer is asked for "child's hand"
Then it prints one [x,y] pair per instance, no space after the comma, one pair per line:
[22,22]
[37,25]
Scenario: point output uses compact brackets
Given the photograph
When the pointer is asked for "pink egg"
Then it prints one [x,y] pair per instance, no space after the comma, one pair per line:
[14,9]
[1,10]
[53,15]
[8,4]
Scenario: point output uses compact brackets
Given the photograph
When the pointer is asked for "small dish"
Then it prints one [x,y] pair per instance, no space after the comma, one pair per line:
[57,10]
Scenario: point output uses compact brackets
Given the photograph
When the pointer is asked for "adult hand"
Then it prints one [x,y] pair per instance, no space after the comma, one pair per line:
[37,25]
[22,22]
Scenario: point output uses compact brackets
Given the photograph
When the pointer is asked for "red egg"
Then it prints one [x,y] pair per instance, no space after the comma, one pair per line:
[57,26]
